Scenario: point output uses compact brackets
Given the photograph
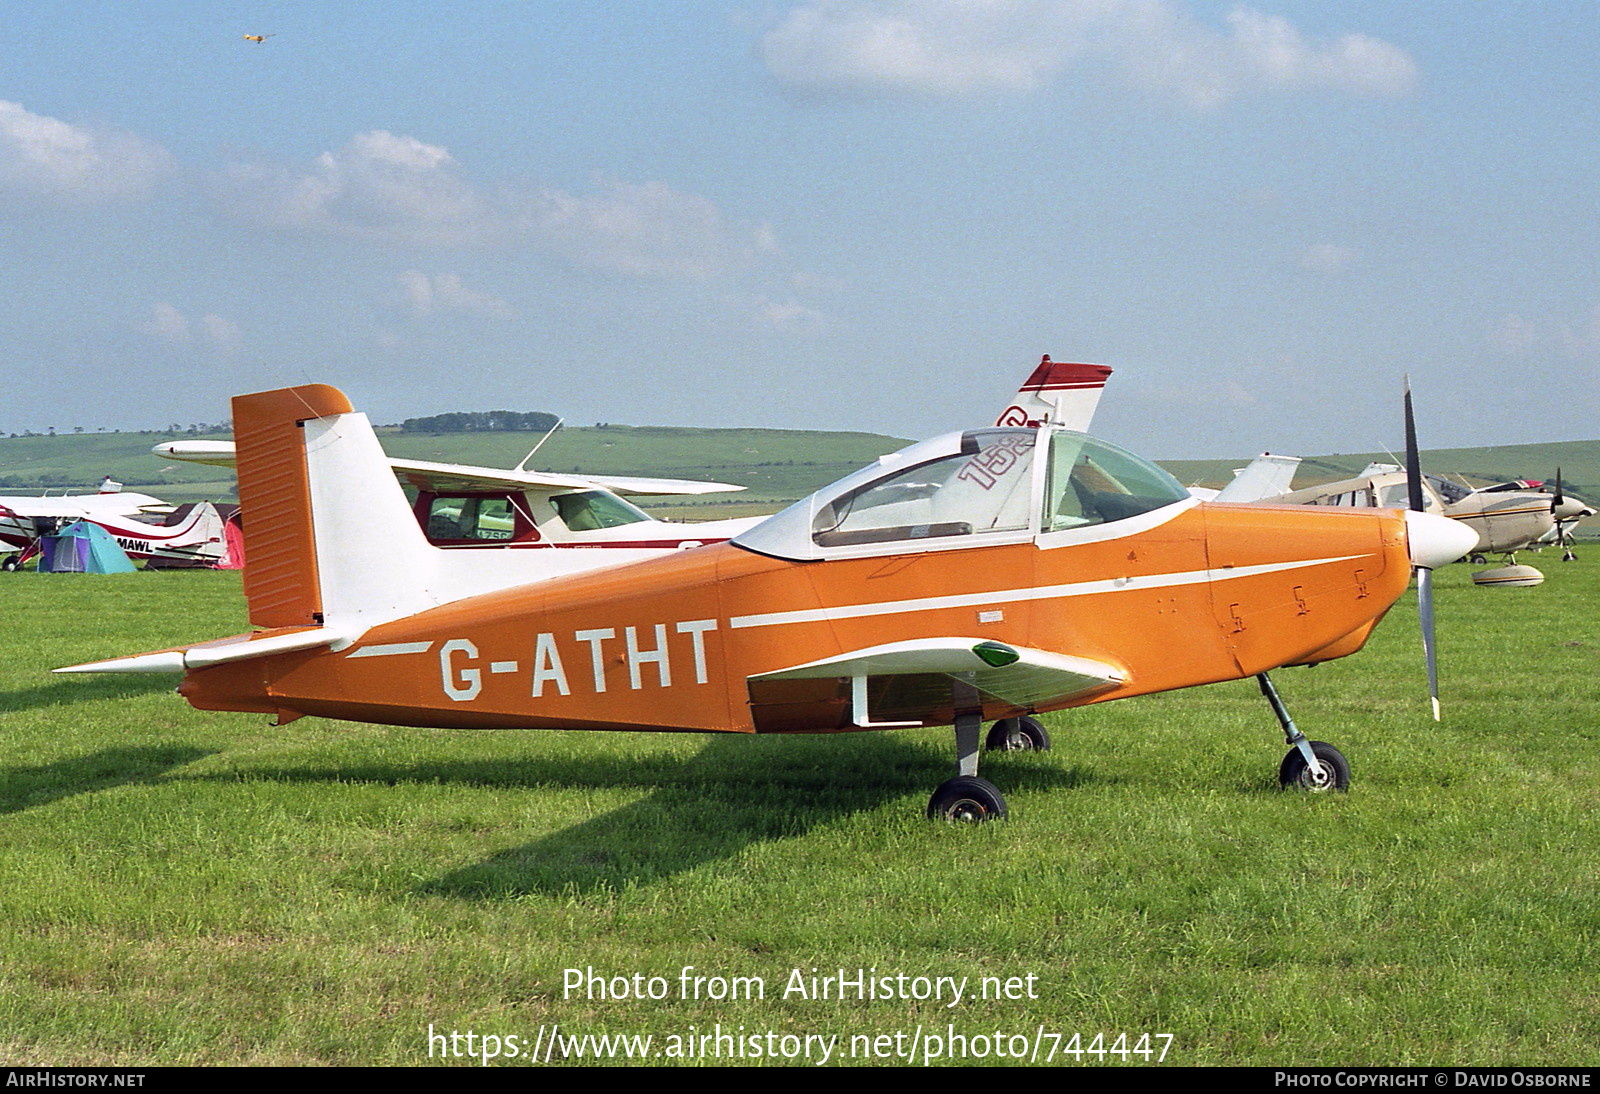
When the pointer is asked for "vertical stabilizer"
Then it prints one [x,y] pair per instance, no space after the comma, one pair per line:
[330,538]
[1267,477]
[280,583]
[1058,393]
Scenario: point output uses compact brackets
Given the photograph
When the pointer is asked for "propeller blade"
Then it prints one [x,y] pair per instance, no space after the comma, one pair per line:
[1430,652]
[1434,540]
[1413,457]
[1555,502]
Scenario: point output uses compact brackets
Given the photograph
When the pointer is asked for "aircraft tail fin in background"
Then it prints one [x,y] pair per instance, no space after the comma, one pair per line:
[1059,393]
[1267,476]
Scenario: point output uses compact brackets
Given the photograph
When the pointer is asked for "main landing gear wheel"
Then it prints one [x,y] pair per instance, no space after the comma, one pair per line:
[1023,734]
[9,564]
[1295,774]
[966,799]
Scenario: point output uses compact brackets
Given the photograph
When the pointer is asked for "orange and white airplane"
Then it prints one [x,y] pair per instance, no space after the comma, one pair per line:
[982,575]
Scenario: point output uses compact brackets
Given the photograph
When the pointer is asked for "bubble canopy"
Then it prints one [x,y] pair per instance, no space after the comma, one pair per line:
[970,489]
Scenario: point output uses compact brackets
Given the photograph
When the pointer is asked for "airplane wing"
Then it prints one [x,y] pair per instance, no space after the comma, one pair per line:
[1013,674]
[444,477]
[456,476]
[84,506]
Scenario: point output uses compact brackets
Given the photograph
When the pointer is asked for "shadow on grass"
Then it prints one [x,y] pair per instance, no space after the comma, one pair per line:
[27,787]
[61,690]
[730,795]
[735,792]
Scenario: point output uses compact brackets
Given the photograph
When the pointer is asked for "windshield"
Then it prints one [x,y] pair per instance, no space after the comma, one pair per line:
[982,488]
[592,510]
[1095,482]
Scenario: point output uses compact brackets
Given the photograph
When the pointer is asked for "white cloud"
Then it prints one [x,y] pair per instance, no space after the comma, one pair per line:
[1328,258]
[788,316]
[639,228]
[956,47]
[46,157]
[220,332]
[170,325]
[445,292]
[378,186]
[397,189]
[1514,334]
[1580,341]
[1571,339]
[166,323]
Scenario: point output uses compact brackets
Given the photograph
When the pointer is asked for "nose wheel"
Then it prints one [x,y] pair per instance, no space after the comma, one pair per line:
[1310,765]
[1333,770]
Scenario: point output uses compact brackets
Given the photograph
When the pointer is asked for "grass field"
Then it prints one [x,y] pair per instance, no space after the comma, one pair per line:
[189,888]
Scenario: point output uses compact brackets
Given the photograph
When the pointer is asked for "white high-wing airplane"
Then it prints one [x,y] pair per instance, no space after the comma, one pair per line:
[146,528]
[465,506]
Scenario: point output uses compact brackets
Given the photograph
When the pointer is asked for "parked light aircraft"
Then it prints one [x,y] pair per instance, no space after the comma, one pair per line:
[1504,521]
[463,506]
[146,528]
[985,574]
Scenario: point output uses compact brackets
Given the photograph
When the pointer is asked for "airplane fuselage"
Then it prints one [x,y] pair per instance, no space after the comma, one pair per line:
[1206,593]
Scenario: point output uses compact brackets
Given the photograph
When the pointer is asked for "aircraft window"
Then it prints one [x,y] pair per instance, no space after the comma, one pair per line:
[592,510]
[471,518]
[1094,482]
[1449,491]
[982,489]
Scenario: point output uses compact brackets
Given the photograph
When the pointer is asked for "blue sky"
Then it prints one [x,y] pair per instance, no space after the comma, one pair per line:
[839,214]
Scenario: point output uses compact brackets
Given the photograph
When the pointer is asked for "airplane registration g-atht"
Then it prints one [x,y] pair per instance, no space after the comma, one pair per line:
[990,574]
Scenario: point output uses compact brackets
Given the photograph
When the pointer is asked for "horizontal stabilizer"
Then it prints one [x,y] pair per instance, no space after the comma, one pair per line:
[240,647]
[1013,674]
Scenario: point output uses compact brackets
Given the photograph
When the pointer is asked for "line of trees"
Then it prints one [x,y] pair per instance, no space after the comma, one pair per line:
[485,421]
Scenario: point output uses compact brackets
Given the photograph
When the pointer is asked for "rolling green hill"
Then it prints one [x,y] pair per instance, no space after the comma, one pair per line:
[776,466]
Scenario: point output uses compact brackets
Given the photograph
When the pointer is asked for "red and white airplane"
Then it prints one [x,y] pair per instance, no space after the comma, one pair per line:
[147,528]
[982,575]
[461,506]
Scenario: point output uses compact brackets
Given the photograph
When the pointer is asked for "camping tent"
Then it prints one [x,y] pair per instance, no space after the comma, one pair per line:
[83,548]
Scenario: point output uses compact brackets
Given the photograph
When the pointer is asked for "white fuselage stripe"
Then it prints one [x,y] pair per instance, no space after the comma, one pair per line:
[1003,596]
[393,649]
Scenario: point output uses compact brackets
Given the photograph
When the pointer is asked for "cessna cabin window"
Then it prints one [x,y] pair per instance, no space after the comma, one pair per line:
[592,510]
[485,519]
[1094,482]
[983,488]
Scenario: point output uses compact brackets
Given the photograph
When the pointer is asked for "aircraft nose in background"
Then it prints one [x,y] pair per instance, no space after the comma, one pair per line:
[1435,541]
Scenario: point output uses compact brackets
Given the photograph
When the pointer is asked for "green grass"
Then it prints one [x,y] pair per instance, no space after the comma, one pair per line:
[189,888]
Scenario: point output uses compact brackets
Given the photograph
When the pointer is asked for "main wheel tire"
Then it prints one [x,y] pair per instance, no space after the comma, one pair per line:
[966,799]
[9,563]
[1023,734]
[1295,774]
